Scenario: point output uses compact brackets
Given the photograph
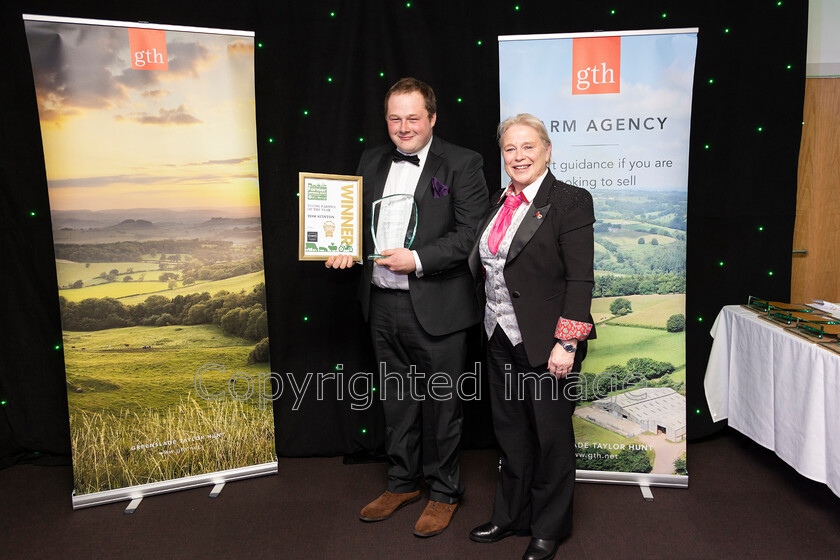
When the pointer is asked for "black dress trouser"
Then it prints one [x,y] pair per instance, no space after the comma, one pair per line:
[532,419]
[420,424]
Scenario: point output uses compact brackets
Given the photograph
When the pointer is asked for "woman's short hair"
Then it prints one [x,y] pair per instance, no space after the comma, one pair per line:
[526,119]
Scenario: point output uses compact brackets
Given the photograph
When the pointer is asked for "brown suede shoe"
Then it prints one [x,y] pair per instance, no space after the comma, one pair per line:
[385,505]
[435,519]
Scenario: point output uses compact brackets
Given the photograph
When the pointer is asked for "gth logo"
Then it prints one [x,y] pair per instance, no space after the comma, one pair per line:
[148,49]
[596,65]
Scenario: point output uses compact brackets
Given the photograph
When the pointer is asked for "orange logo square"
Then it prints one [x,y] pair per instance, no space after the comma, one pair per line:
[596,65]
[148,49]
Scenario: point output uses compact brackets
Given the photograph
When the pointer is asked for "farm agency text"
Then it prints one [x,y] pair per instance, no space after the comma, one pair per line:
[608,124]
[363,387]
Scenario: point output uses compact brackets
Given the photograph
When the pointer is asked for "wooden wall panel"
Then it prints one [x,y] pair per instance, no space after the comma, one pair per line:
[816,274]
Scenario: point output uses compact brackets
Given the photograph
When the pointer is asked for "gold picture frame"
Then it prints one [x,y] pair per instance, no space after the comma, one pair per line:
[330,212]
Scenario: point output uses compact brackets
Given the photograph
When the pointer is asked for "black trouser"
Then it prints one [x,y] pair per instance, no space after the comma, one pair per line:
[534,429]
[418,419]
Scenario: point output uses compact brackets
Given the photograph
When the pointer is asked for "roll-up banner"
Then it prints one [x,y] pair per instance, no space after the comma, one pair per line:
[617,107]
[151,160]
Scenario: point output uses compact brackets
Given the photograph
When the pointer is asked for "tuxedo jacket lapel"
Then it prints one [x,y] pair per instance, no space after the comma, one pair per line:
[527,228]
[433,162]
[381,175]
[532,221]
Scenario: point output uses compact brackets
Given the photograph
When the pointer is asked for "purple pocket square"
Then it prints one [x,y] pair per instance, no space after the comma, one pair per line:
[439,189]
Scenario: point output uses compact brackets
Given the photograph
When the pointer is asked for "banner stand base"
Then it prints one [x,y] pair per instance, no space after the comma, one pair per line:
[642,480]
[137,493]
[135,503]
[132,506]
[217,489]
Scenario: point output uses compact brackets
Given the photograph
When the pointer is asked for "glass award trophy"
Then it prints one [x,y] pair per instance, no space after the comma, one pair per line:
[389,216]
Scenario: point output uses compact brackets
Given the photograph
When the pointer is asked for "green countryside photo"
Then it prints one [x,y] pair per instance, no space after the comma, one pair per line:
[136,332]
[155,208]
[639,311]
[140,319]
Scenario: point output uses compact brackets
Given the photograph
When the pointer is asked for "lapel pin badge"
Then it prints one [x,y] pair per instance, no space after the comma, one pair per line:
[539,216]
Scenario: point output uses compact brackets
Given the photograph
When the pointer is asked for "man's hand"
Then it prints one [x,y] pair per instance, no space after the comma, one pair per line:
[400,261]
[560,362]
[339,261]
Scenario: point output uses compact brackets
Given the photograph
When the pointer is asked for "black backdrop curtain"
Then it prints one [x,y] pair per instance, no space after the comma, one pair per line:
[321,72]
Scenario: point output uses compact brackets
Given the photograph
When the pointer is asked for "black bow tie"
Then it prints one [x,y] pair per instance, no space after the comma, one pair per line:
[399,156]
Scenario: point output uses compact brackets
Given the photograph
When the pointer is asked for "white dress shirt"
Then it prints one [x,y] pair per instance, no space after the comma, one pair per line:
[402,179]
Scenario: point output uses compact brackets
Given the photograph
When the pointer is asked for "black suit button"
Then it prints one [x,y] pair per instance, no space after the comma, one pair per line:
[515,293]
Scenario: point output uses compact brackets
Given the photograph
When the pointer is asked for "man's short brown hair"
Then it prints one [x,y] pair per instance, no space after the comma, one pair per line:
[410,85]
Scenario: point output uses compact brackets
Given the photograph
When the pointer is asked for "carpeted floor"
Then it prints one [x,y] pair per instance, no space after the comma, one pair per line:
[742,502]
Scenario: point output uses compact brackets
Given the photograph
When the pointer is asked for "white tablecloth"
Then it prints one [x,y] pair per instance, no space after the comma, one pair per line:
[779,390]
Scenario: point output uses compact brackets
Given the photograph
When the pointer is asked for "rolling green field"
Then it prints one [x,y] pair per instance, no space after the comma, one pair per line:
[631,336]
[600,249]
[137,416]
[650,310]
[628,224]
[618,248]
[116,290]
[68,271]
[628,240]
[616,345]
[132,293]
[109,371]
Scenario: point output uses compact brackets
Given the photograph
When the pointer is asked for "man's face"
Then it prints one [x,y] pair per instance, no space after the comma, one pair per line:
[409,123]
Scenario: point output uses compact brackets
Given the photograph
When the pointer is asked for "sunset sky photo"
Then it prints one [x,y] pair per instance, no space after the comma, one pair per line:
[120,138]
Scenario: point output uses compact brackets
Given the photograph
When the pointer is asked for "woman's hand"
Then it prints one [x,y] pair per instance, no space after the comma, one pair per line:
[560,362]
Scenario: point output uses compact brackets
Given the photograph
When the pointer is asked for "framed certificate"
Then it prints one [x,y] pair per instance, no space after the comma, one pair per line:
[330,216]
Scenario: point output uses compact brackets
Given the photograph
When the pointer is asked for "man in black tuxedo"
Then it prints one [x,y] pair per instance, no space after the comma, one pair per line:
[420,301]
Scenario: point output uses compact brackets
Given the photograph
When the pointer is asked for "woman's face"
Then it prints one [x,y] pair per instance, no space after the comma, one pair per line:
[525,156]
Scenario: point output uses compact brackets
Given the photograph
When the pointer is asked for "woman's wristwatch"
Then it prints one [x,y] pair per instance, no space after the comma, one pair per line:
[567,346]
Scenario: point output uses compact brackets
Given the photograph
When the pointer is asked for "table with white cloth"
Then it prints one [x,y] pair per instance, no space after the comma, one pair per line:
[778,389]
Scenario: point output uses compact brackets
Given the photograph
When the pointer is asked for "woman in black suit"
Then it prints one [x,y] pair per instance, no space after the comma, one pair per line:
[532,266]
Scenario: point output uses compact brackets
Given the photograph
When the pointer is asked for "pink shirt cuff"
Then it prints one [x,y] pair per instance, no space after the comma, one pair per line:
[567,330]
